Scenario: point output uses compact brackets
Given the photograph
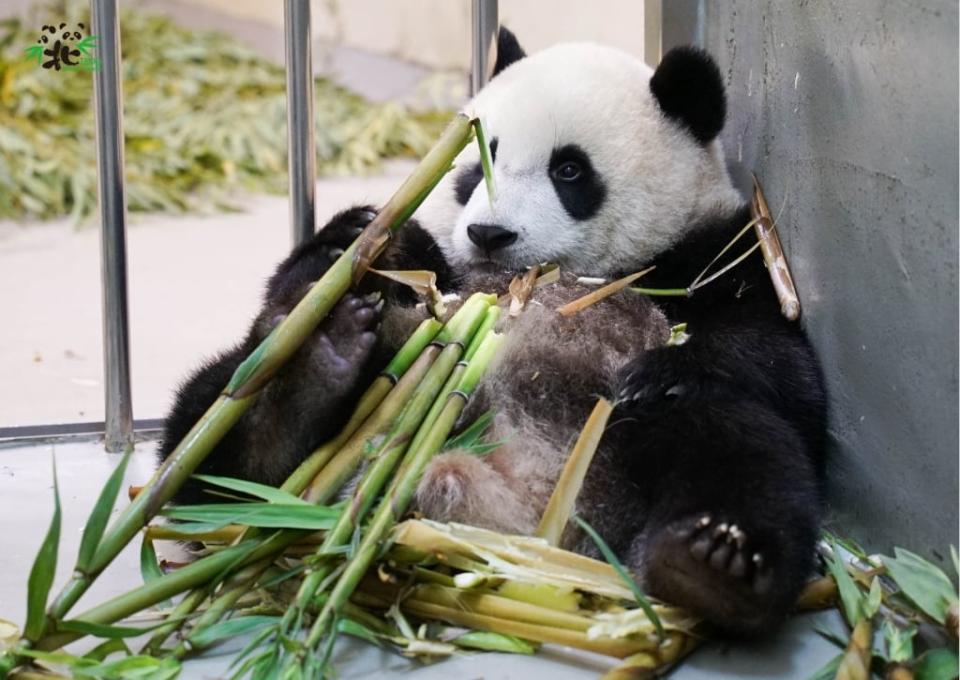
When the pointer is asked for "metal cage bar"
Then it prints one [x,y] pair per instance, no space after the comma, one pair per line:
[301,146]
[108,105]
[485,24]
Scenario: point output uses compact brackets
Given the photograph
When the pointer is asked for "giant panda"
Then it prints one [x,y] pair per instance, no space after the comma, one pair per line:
[709,479]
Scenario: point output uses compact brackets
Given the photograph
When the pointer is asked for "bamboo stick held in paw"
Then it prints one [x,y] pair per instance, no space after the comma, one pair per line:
[263,363]
[398,496]
[773,255]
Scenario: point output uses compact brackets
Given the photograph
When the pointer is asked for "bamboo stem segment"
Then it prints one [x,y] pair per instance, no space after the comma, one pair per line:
[400,493]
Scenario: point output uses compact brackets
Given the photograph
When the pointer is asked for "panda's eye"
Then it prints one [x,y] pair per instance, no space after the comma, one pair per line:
[568,172]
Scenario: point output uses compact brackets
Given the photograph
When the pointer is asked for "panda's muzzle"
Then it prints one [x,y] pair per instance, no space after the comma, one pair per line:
[490,237]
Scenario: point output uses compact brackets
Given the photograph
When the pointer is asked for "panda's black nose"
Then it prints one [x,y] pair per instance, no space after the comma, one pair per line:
[490,237]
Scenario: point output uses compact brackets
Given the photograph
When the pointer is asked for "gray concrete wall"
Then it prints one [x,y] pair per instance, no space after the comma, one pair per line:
[847,110]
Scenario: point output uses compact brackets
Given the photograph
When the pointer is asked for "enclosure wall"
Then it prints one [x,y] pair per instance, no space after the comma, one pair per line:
[847,110]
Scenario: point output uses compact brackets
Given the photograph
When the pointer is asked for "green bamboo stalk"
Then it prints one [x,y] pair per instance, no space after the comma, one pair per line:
[400,377]
[338,469]
[398,496]
[415,421]
[266,360]
[465,322]
[414,370]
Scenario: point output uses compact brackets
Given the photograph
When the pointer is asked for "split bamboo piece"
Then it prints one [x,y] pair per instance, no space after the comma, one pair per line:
[773,255]
[564,496]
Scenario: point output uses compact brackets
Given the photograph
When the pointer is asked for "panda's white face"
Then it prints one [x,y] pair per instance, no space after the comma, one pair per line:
[590,173]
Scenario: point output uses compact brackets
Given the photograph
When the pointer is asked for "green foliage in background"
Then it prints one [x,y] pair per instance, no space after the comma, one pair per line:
[204,117]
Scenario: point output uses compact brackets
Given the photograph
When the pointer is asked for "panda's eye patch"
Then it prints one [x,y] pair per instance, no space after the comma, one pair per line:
[578,185]
[568,172]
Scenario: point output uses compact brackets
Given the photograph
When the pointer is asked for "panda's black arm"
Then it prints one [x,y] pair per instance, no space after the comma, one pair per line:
[308,400]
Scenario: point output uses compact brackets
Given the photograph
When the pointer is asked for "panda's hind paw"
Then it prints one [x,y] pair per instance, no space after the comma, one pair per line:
[726,548]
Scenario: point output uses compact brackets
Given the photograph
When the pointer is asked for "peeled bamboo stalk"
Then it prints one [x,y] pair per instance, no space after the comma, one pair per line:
[564,496]
[398,496]
[617,647]
[263,363]
[773,255]
[487,603]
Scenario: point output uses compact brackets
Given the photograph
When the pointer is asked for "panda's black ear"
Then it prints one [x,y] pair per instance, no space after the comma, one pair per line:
[689,89]
[508,50]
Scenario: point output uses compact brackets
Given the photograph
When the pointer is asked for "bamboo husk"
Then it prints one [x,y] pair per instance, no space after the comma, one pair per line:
[596,296]
[564,496]
[855,664]
[819,594]
[773,255]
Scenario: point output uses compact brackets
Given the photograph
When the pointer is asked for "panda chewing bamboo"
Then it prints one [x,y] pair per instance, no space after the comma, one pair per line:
[708,482]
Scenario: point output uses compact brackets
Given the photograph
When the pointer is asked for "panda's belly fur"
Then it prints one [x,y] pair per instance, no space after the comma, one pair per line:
[540,389]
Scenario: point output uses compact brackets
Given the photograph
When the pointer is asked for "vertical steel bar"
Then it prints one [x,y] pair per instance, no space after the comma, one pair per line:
[485,23]
[108,105]
[301,147]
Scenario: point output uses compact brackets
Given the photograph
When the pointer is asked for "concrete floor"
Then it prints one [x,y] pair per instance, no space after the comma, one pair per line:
[82,467]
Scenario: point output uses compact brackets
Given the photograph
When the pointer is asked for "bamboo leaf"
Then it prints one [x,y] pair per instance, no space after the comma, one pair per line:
[268,493]
[922,582]
[106,648]
[494,642]
[242,625]
[624,575]
[956,560]
[267,515]
[872,604]
[100,515]
[149,565]
[937,664]
[358,630]
[898,641]
[102,630]
[140,666]
[850,596]
[43,570]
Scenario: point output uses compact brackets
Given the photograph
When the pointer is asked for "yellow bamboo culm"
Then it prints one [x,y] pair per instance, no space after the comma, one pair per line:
[560,506]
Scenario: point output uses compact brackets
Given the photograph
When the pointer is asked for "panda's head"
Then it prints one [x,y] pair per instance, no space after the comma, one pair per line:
[600,162]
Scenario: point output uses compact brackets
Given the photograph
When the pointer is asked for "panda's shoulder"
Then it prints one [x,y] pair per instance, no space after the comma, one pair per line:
[701,243]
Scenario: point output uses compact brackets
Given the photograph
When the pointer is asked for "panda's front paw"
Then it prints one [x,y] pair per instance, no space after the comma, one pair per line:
[344,227]
[344,342]
[654,379]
